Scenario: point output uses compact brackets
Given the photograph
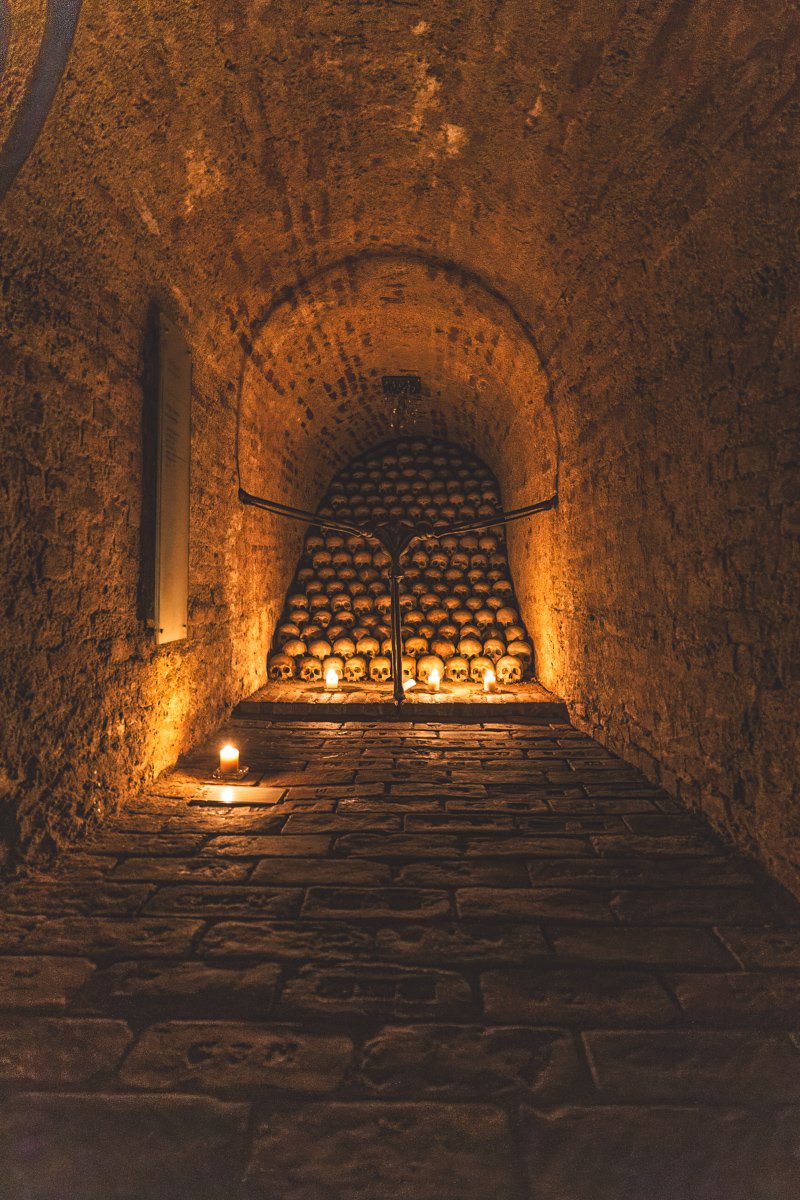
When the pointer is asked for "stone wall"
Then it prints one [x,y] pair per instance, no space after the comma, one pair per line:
[579,229]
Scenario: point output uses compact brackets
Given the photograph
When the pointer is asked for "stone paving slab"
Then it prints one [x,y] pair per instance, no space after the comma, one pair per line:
[450,961]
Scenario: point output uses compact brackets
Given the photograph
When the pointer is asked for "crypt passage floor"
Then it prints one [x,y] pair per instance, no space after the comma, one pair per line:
[450,963]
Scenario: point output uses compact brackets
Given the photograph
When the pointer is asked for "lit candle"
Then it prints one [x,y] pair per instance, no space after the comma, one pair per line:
[408,684]
[489,681]
[433,680]
[331,679]
[229,760]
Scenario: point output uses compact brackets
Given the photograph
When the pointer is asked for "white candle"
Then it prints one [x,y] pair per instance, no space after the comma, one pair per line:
[331,679]
[229,760]
[433,680]
[489,681]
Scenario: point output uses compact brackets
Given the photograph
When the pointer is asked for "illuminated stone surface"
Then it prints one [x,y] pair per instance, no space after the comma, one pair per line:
[395,996]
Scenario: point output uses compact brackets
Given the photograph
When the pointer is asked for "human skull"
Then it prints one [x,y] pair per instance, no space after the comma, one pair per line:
[341,603]
[368,646]
[362,605]
[449,543]
[443,647]
[484,617]
[415,617]
[478,668]
[383,603]
[319,601]
[428,601]
[461,616]
[345,647]
[487,542]
[459,560]
[362,558]
[457,669]
[427,664]
[439,560]
[515,633]
[469,647]
[346,618]
[311,669]
[502,587]
[295,648]
[355,669]
[321,558]
[320,648]
[416,645]
[281,666]
[509,669]
[506,616]
[494,649]
[468,542]
[380,669]
[449,630]
[407,602]
[409,667]
[473,603]
[286,633]
[323,617]
[523,651]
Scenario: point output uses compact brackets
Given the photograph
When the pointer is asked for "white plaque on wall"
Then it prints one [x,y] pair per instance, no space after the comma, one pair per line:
[172,489]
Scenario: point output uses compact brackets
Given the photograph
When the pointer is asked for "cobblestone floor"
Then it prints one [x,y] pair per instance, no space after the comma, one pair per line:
[451,963]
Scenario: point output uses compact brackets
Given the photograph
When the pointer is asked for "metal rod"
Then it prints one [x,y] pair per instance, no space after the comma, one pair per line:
[395,575]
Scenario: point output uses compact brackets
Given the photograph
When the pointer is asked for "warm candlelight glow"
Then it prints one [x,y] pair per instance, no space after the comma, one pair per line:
[228,760]
[331,679]
[408,684]
[434,680]
[226,795]
[489,681]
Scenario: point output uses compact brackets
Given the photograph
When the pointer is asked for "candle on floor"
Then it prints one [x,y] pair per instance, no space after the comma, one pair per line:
[434,680]
[229,760]
[331,680]
[489,681]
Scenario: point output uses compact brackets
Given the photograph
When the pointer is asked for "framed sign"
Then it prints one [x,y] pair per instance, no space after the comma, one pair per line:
[172,483]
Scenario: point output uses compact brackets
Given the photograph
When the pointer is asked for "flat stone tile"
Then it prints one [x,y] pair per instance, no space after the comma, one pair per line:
[402,1151]
[219,900]
[629,845]
[110,1147]
[386,804]
[497,804]
[158,870]
[459,823]
[234,1057]
[341,822]
[450,873]
[352,872]
[59,1051]
[409,904]
[399,845]
[769,948]
[128,937]
[524,846]
[467,1062]
[645,872]
[464,944]
[658,1153]
[299,940]
[515,904]
[362,989]
[664,946]
[181,989]
[41,981]
[740,998]
[59,899]
[688,1064]
[261,846]
[575,996]
[692,906]
[110,842]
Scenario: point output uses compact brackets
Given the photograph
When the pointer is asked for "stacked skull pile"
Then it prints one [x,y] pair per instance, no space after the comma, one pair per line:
[457,599]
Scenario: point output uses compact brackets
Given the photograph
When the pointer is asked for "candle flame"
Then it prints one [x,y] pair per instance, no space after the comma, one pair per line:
[489,678]
[434,678]
[331,678]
